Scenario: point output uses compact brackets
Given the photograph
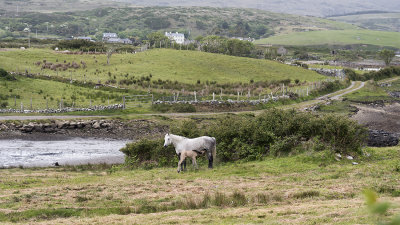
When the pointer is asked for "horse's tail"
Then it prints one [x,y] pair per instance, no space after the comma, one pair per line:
[214,149]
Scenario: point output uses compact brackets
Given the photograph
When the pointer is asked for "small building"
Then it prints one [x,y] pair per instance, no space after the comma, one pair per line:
[107,36]
[177,37]
[244,39]
[119,41]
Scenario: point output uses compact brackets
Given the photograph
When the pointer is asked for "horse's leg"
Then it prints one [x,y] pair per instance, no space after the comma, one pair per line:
[210,159]
[179,158]
[194,161]
[184,164]
[182,158]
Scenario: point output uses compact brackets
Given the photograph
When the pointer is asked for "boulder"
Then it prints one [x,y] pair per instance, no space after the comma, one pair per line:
[96,125]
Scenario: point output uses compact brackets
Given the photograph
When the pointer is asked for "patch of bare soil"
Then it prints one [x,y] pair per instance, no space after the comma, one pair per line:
[385,118]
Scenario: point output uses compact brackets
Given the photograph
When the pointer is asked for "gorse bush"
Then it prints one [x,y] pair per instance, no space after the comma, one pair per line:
[248,137]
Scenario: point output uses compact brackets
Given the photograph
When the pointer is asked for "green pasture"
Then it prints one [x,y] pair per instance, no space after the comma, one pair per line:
[336,37]
[165,64]
[49,92]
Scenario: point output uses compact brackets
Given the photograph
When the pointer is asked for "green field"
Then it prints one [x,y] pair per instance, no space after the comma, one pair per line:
[50,92]
[310,188]
[165,64]
[336,37]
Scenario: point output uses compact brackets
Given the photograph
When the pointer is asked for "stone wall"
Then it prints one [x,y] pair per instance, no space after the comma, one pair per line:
[64,110]
[380,138]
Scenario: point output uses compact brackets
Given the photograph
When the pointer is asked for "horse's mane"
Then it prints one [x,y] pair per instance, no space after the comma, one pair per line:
[177,136]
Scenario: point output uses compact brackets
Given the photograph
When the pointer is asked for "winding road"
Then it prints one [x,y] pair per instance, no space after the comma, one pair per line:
[355,85]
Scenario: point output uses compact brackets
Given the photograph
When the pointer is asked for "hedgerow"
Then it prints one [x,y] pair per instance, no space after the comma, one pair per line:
[248,137]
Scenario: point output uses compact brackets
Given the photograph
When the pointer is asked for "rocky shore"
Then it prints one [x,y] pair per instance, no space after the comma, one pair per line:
[115,129]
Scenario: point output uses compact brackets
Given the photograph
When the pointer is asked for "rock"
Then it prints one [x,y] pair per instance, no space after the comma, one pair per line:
[26,128]
[61,124]
[96,125]
[3,127]
[338,155]
[349,157]
[354,163]
[380,138]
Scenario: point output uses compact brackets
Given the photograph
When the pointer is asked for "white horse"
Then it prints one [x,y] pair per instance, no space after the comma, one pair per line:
[199,145]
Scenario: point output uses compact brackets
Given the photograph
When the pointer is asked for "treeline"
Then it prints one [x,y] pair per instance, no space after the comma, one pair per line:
[248,137]
[373,75]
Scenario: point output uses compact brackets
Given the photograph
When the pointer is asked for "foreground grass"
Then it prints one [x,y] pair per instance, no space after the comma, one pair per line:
[336,37]
[175,65]
[302,189]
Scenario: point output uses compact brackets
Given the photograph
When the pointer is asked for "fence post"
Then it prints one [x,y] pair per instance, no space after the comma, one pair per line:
[15,101]
[238,97]
[123,100]
[220,95]
[195,97]
[152,98]
[22,107]
[31,103]
[213,96]
[47,104]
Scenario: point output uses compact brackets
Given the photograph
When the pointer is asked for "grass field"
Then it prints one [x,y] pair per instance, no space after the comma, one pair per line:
[182,66]
[309,188]
[50,92]
[336,37]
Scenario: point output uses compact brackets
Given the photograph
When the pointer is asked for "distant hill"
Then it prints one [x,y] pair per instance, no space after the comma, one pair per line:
[139,21]
[319,8]
[336,37]
[374,21]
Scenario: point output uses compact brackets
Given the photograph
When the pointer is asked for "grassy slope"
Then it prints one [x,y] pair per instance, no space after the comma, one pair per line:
[52,91]
[339,37]
[183,66]
[303,189]
[379,21]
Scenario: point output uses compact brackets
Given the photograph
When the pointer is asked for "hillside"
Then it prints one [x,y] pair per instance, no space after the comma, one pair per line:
[175,65]
[336,37]
[373,21]
[302,7]
[137,22]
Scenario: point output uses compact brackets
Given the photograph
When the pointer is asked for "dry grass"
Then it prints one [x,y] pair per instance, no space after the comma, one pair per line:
[295,190]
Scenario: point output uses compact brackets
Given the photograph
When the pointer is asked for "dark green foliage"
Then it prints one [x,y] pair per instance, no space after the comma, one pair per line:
[83,45]
[248,137]
[5,75]
[374,75]
[145,151]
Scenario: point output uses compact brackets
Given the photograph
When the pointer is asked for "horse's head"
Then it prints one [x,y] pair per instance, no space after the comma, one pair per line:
[167,140]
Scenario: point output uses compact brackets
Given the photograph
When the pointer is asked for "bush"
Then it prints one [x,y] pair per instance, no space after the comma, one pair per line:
[4,74]
[146,152]
[248,137]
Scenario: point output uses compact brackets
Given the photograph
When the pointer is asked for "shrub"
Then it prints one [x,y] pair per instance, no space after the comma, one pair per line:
[149,151]
[4,74]
[248,137]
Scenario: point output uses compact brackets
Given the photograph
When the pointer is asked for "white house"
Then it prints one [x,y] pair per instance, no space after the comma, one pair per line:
[177,37]
[107,36]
